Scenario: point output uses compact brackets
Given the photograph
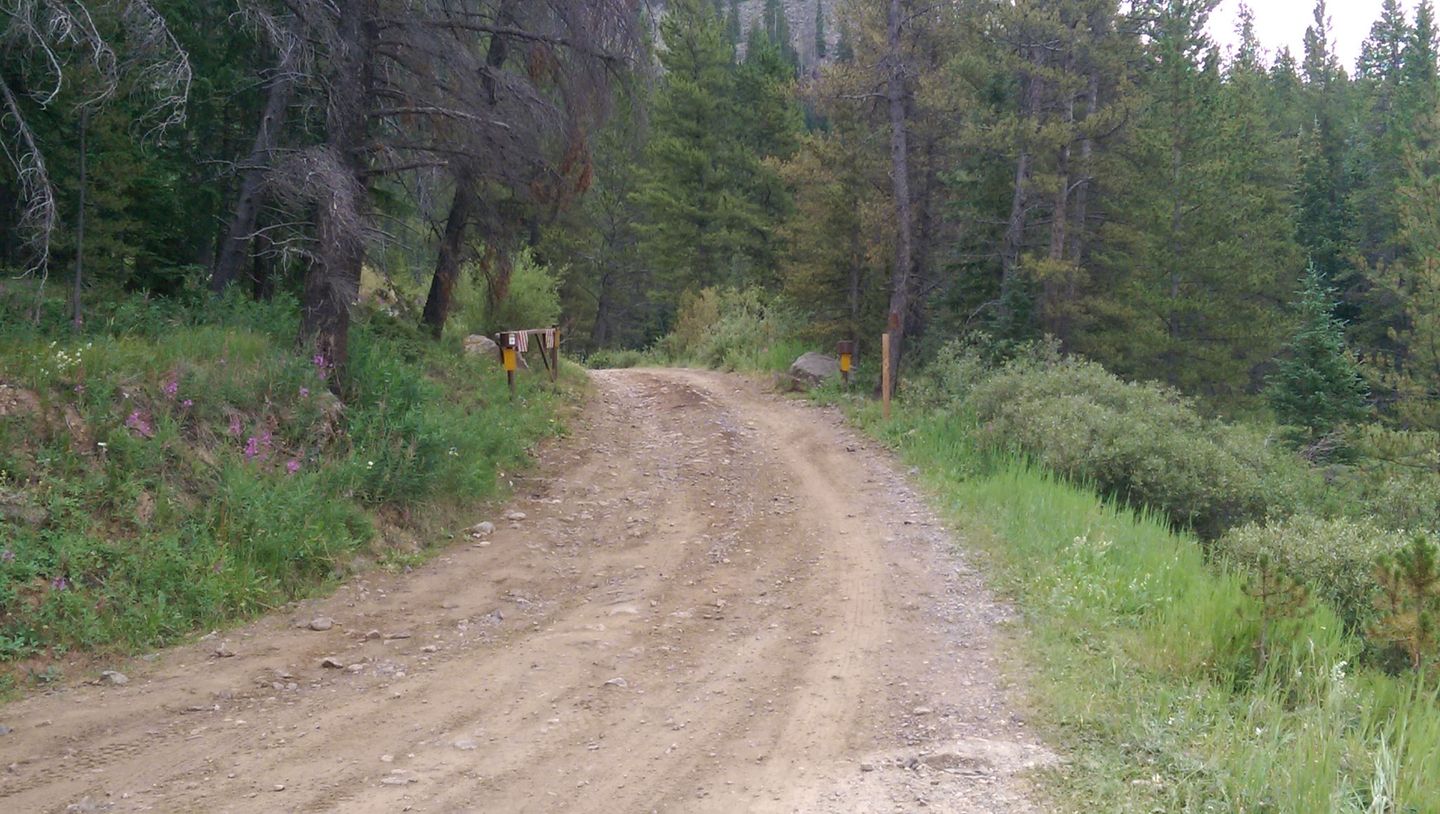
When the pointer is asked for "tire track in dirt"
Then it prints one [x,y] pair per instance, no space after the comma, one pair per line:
[719,601]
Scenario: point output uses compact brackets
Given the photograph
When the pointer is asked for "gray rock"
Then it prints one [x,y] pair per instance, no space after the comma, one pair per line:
[322,623]
[515,516]
[466,745]
[332,663]
[483,529]
[224,651]
[114,678]
[482,346]
[617,682]
[5,730]
[15,508]
[814,369]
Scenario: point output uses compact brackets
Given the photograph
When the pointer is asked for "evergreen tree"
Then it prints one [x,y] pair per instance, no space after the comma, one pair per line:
[692,163]
[1326,223]
[1382,136]
[710,199]
[1203,231]
[1317,385]
[1410,371]
[777,29]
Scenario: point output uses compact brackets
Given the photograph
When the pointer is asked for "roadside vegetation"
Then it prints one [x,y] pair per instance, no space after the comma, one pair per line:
[177,465]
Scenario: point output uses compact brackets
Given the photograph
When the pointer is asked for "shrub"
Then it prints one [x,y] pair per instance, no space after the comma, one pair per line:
[1395,477]
[1335,558]
[1144,444]
[607,358]
[733,330]
[532,299]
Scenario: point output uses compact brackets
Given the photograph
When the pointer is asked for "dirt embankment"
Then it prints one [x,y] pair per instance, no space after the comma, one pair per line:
[715,601]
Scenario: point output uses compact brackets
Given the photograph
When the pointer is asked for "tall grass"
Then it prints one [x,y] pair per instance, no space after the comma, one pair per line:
[1144,656]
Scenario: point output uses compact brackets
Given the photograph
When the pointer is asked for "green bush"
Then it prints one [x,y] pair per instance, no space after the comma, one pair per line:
[1334,558]
[728,329]
[614,358]
[1144,444]
[531,301]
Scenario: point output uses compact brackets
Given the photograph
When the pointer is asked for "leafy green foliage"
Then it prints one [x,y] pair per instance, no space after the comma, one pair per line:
[1334,558]
[732,330]
[1144,444]
[532,300]
[182,467]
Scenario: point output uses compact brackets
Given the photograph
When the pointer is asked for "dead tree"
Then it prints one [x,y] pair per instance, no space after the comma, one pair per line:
[240,230]
[397,84]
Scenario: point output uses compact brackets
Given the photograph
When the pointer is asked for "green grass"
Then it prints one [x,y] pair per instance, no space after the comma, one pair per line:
[1142,655]
[186,467]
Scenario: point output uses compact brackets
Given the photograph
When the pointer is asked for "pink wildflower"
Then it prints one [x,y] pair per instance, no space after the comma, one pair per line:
[292,466]
[140,424]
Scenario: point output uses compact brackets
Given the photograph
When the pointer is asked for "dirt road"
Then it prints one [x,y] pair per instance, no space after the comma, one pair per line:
[717,601]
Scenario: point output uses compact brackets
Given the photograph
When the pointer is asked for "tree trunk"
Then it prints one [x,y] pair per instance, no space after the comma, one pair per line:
[1054,316]
[231,256]
[1087,168]
[452,256]
[1014,241]
[902,285]
[262,272]
[600,331]
[857,266]
[333,280]
[77,315]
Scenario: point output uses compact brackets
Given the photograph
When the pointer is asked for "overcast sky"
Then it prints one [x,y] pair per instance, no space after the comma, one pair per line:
[1283,22]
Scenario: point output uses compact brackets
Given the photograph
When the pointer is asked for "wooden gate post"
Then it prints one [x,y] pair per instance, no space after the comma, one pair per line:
[885,374]
[555,354]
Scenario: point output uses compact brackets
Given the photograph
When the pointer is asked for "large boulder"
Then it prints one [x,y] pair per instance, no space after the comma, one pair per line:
[482,346]
[814,369]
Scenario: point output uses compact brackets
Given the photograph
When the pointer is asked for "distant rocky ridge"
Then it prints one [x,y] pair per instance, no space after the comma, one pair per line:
[800,16]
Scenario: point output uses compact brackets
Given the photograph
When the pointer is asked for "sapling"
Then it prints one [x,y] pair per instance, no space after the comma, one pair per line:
[1409,600]
[1280,598]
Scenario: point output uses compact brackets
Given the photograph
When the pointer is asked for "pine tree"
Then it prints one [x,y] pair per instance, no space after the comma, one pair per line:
[1409,601]
[1410,371]
[1203,230]
[1326,221]
[1382,137]
[1317,385]
[711,201]
[692,164]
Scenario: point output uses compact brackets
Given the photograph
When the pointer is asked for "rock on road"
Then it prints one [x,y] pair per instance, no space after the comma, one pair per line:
[717,600]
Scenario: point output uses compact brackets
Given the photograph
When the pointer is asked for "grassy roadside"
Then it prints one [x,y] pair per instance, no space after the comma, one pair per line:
[175,468]
[1145,670]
